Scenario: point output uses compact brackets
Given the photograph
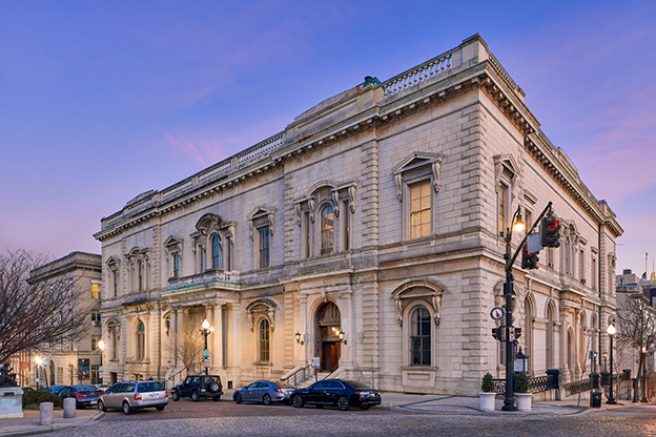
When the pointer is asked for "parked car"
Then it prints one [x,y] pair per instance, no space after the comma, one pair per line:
[336,392]
[85,396]
[199,386]
[132,396]
[54,389]
[266,392]
[27,390]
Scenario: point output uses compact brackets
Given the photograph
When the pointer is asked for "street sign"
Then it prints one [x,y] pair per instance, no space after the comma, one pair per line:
[497,313]
[207,363]
[316,362]
[100,369]
[534,243]
[206,354]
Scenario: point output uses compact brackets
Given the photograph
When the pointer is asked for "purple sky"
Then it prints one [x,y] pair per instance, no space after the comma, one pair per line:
[100,101]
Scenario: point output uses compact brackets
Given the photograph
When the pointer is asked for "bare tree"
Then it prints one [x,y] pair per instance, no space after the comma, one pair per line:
[190,349]
[637,330]
[35,312]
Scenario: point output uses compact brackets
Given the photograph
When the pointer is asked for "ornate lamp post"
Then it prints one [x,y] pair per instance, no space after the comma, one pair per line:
[206,330]
[101,348]
[611,331]
[518,225]
[39,362]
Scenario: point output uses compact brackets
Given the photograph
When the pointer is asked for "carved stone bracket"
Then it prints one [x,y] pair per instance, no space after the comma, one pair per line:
[422,291]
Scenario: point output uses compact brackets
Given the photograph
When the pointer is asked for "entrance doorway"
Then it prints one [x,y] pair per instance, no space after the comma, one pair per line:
[328,327]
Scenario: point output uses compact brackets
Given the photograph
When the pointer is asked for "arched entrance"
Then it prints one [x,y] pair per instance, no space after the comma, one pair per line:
[328,327]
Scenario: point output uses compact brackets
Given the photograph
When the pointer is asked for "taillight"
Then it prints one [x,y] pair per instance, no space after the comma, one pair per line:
[78,395]
[278,389]
[137,396]
[167,394]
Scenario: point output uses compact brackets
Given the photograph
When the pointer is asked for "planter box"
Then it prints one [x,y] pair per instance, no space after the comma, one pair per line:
[524,401]
[487,401]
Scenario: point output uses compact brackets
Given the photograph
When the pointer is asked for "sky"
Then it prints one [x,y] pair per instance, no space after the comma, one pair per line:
[100,101]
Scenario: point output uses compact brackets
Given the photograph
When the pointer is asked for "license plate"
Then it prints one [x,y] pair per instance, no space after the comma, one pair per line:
[93,402]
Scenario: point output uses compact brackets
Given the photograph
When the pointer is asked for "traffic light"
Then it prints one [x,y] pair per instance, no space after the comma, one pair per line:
[550,231]
[529,260]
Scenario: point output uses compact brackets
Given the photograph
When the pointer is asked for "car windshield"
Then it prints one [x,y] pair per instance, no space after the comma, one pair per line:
[145,387]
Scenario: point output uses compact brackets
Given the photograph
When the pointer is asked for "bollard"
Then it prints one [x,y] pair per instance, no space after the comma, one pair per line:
[45,413]
[69,408]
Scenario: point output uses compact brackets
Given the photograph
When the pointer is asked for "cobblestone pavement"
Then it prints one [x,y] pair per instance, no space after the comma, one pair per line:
[634,422]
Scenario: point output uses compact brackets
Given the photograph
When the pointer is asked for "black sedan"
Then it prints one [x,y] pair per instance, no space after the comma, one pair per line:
[331,392]
[85,396]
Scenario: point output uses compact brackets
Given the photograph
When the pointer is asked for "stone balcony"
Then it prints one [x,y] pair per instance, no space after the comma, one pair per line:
[208,280]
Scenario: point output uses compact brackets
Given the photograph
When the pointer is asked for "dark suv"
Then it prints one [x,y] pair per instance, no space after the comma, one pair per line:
[199,386]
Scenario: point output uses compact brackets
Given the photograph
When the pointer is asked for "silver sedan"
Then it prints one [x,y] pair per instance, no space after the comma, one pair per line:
[265,392]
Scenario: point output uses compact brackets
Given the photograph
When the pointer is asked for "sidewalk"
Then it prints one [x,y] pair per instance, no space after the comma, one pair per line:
[463,405]
[29,424]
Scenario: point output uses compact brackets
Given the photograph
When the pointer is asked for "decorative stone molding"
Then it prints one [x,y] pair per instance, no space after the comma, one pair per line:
[418,290]
[257,213]
[415,161]
[263,306]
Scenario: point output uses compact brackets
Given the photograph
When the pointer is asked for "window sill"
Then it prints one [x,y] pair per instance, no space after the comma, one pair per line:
[263,364]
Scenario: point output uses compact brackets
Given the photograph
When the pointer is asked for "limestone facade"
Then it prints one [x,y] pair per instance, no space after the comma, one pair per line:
[365,234]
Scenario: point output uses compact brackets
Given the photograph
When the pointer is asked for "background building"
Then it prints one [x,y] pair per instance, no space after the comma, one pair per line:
[77,361]
[365,234]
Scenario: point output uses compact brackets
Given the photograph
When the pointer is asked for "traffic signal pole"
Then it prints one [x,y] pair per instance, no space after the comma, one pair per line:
[509,401]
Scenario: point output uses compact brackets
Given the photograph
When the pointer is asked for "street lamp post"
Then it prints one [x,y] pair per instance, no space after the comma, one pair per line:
[101,347]
[206,329]
[611,331]
[39,361]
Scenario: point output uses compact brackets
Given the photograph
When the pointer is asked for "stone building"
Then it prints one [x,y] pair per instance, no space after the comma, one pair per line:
[365,234]
[68,362]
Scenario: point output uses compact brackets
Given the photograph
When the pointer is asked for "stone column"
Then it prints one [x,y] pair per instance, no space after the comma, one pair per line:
[302,358]
[564,327]
[217,337]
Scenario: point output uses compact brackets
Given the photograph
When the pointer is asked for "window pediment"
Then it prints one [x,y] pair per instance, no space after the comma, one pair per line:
[263,306]
[260,216]
[417,161]
[208,222]
[424,291]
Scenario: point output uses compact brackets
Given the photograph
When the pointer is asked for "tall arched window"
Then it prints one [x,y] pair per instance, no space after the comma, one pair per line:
[140,275]
[265,335]
[551,324]
[327,230]
[420,337]
[528,332]
[141,340]
[216,251]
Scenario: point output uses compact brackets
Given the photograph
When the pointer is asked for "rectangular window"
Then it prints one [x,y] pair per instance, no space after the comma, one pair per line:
[176,265]
[593,273]
[582,266]
[94,342]
[264,246]
[95,318]
[95,291]
[420,210]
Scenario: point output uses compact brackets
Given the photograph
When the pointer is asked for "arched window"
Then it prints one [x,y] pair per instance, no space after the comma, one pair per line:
[264,337]
[327,230]
[551,325]
[140,275]
[528,332]
[141,340]
[216,251]
[420,337]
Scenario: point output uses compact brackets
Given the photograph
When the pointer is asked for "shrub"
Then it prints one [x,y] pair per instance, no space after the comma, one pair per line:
[521,384]
[33,399]
[488,384]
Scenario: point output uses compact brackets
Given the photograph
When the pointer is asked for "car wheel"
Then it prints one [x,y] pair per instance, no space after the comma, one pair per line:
[216,398]
[342,403]
[297,401]
[214,387]
[194,396]
[101,406]
[364,407]
[175,396]
[160,407]
[238,398]
[266,400]
[126,408]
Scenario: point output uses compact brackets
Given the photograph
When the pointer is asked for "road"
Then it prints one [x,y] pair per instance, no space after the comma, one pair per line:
[225,418]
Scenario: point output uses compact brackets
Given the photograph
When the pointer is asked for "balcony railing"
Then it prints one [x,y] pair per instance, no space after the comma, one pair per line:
[210,279]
